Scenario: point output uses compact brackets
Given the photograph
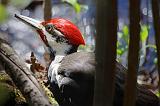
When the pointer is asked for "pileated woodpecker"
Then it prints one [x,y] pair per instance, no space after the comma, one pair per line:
[71,73]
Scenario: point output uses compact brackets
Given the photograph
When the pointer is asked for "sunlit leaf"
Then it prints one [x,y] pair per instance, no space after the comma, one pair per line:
[125,30]
[151,46]
[144,33]
[119,52]
[81,46]
[77,7]
[118,44]
[84,7]
[3,13]
[158,94]
[155,61]
[120,35]
[75,4]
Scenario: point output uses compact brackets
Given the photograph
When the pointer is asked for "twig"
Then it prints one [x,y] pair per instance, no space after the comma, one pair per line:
[133,55]
[156,21]
[47,9]
[105,52]
[4,2]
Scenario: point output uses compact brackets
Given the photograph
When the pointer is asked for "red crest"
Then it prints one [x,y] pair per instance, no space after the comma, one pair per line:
[68,29]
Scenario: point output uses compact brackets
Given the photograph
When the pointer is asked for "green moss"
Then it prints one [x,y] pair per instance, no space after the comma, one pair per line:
[49,94]
[9,93]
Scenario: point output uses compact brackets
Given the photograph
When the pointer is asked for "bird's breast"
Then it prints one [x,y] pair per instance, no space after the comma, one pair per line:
[53,75]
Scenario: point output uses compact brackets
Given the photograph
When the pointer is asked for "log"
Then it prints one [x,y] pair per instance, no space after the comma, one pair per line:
[22,77]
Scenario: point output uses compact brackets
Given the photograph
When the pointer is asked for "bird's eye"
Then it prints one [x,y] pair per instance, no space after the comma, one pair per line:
[49,28]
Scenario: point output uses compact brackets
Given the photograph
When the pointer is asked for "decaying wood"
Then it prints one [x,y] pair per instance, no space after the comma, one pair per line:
[22,76]
[9,93]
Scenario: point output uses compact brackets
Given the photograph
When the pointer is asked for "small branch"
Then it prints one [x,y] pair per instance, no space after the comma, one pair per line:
[4,2]
[47,9]
[133,54]
[105,52]
[22,76]
[156,22]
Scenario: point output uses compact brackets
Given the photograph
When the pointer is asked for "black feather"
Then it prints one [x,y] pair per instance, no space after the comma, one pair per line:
[77,83]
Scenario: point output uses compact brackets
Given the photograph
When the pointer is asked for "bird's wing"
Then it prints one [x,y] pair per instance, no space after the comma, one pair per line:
[77,77]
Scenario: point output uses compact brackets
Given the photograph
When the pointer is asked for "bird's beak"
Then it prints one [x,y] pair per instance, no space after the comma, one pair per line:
[34,24]
[31,22]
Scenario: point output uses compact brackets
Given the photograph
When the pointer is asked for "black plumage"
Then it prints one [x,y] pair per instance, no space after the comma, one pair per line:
[77,72]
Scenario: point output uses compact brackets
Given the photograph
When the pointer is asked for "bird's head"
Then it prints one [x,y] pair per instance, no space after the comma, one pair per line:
[59,35]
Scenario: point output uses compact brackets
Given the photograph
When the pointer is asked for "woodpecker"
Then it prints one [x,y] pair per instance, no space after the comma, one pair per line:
[71,73]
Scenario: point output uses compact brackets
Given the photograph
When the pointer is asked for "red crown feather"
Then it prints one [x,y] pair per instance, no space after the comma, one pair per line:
[68,29]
